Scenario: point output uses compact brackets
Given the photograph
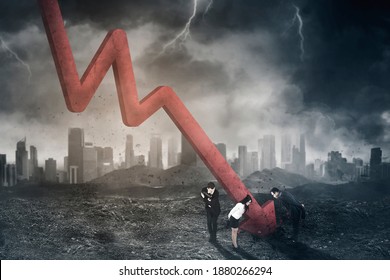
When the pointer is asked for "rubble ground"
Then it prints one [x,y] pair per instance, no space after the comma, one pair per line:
[88,222]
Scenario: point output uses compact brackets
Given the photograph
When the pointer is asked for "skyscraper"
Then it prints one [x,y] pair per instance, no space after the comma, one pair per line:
[172,152]
[188,154]
[33,162]
[89,162]
[242,160]
[10,172]
[75,155]
[155,153]
[21,158]
[286,150]
[302,152]
[260,152]
[375,162]
[51,170]
[253,162]
[129,152]
[3,163]
[268,159]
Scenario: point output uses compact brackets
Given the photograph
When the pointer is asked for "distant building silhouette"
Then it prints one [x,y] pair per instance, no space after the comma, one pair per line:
[155,153]
[11,177]
[75,155]
[298,158]
[90,168]
[260,144]
[21,159]
[3,164]
[302,154]
[129,152]
[268,159]
[33,163]
[51,170]
[172,152]
[375,163]
[286,150]
[243,161]
[337,167]
[253,162]
[66,168]
[188,154]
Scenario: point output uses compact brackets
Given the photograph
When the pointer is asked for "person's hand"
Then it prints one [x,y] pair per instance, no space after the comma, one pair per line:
[209,199]
[202,195]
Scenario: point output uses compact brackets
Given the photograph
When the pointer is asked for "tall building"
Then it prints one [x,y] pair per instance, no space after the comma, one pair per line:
[155,153]
[51,170]
[375,162]
[10,173]
[33,162]
[222,149]
[253,162]
[286,150]
[75,155]
[107,162]
[129,152]
[21,158]
[260,152]
[242,161]
[66,168]
[90,168]
[302,153]
[188,154]
[3,163]
[268,159]
[172,152]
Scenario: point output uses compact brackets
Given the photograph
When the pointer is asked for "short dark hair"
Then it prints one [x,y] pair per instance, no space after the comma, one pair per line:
[274,190]
[246,199]
[211,185]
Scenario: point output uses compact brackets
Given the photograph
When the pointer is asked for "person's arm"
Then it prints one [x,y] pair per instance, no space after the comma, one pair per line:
[204,194]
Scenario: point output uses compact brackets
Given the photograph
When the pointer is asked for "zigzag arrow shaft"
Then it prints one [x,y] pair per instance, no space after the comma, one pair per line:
[114,51]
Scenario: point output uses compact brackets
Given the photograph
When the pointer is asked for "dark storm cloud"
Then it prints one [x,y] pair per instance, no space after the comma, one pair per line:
[16,15]
[345,65]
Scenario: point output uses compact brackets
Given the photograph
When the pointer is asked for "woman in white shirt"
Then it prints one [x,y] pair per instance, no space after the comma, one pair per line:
[234,216]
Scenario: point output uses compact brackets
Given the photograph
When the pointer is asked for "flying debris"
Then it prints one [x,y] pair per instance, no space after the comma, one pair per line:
[5,47]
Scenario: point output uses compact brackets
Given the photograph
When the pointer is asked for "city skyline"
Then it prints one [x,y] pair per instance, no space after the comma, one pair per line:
[241,76]
[230,154]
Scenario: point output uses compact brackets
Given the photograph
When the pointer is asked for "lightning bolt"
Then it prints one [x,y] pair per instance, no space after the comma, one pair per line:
[183,35]
[300,27]
[208,7]
[15,55]
[114,51]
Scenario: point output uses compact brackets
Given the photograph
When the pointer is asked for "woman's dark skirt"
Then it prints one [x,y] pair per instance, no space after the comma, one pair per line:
[233,222]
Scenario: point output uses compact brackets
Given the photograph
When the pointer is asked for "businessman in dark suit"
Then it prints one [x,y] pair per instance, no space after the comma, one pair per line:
[211,199]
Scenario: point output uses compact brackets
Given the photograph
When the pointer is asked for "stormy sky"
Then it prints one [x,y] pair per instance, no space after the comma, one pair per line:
[244,69]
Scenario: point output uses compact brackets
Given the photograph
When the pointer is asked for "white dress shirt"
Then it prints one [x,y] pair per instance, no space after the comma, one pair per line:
[237,211]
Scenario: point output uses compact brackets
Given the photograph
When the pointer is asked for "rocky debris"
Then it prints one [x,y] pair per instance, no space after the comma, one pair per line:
[146,176]
[263,181]
[83,222]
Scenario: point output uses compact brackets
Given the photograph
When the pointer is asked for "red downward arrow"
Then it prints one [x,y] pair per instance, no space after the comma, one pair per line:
[114,51]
